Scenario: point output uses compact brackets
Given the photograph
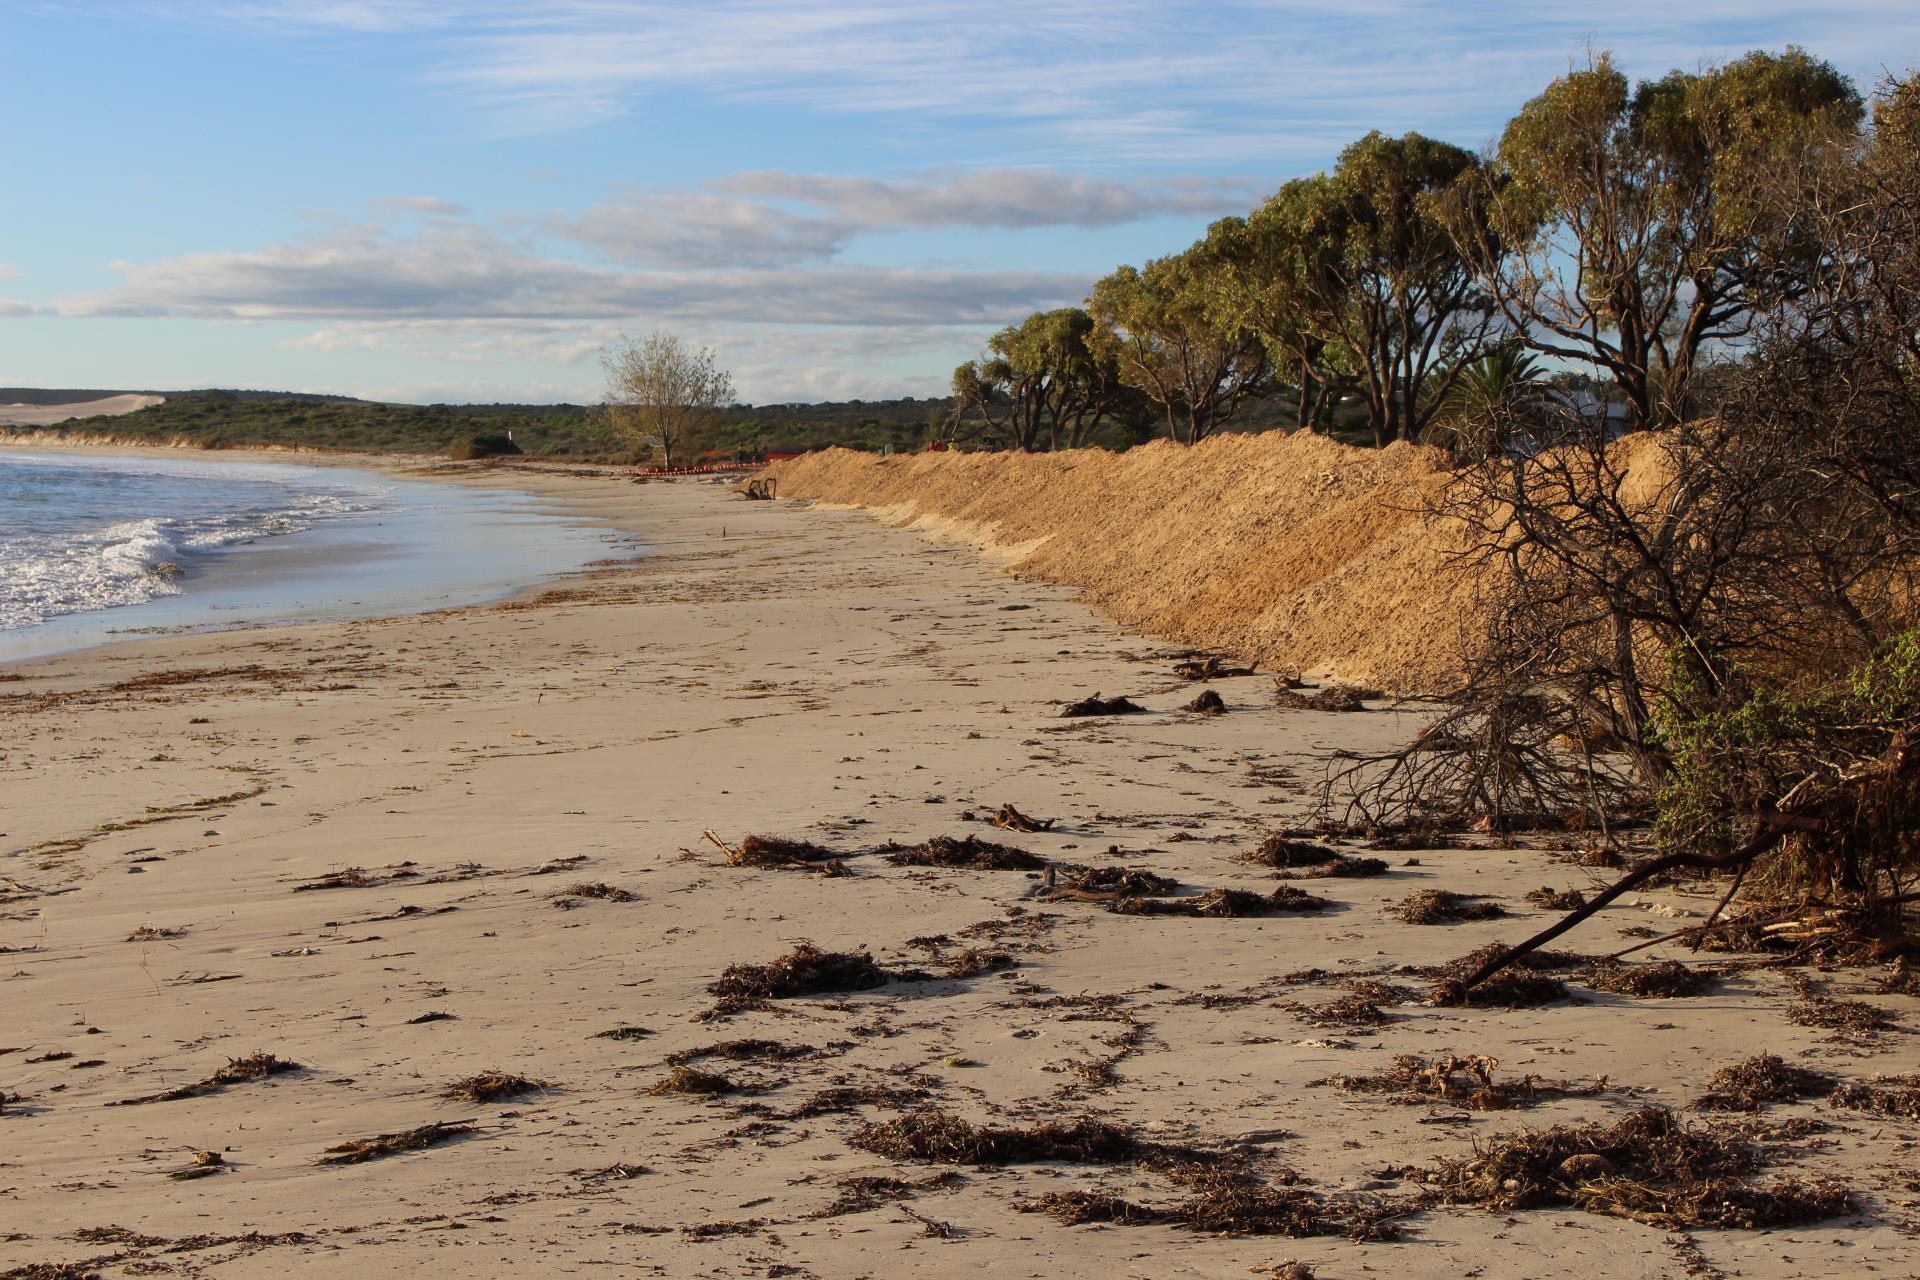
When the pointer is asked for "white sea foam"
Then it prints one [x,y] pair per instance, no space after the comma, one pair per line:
[50,572]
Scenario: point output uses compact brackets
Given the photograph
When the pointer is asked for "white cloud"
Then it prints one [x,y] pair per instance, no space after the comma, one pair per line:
[1002,198]
[690,229]
[418,206]
[13,308]
[460,273]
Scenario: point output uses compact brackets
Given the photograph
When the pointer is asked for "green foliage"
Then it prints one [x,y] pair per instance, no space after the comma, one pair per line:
[492,445]
[1742,743]
[245,419]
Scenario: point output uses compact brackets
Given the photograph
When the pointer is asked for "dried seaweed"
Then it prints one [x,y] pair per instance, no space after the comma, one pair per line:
[1900,1102]
[1667,980]
[1550,899]
[360,1150]
[597,889]
[1750,1085]
[1468,1081]
[970,853]
[804,971]
[1209,703]
[692,1080]
[1333,697]
[1099,706]
[492,1086]
[944,1138]
[1649,1166]
[1227,1204]
[1283,852]
[1443,906]
[1852,1018]
[255,1066]
[744,1051]
[779,851]
[1222,904]
[858,1195]
[1123,882]
[1009,818]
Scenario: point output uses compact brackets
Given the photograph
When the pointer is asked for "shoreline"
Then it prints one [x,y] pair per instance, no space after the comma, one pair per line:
[274,581]
[520,790]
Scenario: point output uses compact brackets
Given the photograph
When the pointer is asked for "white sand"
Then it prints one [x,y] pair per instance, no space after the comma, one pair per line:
[769,669]
[46,415]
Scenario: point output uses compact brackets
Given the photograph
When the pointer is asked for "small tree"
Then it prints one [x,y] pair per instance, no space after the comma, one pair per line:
[662,393]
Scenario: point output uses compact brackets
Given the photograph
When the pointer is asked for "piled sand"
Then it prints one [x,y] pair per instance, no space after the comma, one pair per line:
[1291,550]
[46,415]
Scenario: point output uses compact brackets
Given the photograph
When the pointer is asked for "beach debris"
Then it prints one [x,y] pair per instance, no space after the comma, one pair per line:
[1649,1166]
[1525,984]
[1900,1101]
[1551,899]
[359,877]
[255,1066]
[1208,668]
[201,1164]
[1102,884]
[692,1080]
[1358,1010]
[493,1086]
[361,1150]
[1223,904]
[1443,906]
[553,866]
[1667,979]
[1208,703]
[1765,1078]
[1099,706]
[969,852]
[1230,1203]
[432,1015]
[1852,1019]
[623,1033]
[747,1050]
[153,933]
[1281,851]
[1009,818]
[804,971]
[858,1195]
[779,851]
[1467,1081]
[1332,697]
[943,1138]
[593,889]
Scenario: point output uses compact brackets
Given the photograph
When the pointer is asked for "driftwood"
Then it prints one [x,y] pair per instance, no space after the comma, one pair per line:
[1767,833]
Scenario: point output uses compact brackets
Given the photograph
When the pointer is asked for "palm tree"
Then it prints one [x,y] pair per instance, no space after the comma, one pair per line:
[1502,379]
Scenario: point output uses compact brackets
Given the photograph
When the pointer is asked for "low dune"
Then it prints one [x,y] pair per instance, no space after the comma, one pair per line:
[47,415]
[1292,550]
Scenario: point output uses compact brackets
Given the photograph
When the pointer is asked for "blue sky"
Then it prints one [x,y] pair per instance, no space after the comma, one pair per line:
[463,199]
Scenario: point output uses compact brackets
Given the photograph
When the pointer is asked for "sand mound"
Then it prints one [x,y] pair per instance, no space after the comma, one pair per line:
[46,415]
[1290,550]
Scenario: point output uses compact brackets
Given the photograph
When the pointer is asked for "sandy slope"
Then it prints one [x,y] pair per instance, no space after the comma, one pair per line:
[769,668]
[46,415]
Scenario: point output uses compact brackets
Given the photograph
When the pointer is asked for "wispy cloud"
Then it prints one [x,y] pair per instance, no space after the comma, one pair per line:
[460,273]
[1154,81]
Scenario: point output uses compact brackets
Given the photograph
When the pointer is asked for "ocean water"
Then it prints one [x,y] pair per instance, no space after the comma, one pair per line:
[95,547]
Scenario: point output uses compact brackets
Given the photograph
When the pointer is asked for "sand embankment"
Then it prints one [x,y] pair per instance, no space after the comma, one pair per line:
[46,415]
[1292,550]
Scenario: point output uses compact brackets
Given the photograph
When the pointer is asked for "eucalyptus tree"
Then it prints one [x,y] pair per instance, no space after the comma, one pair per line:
[1633,227]
[1042,381]
[1172,341]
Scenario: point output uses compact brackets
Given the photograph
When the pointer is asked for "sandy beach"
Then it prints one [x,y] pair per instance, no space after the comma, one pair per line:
[404,852]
